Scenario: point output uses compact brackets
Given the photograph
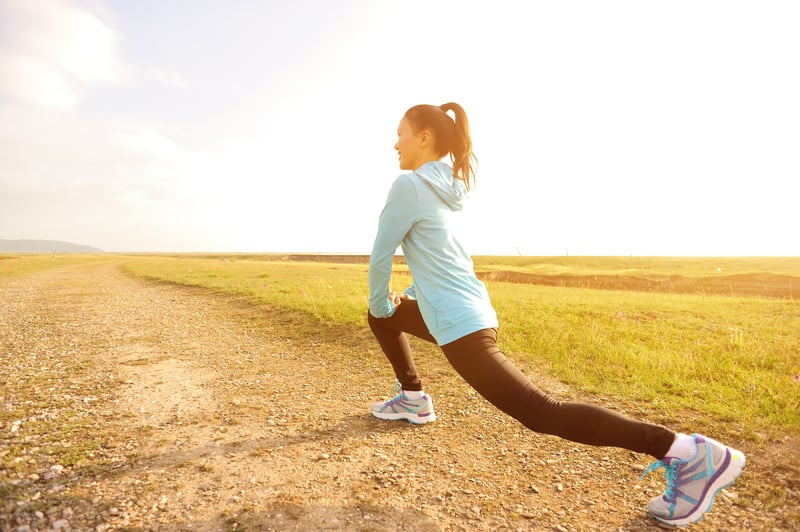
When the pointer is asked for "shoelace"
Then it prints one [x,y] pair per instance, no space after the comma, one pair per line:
[397,389]
[670,472]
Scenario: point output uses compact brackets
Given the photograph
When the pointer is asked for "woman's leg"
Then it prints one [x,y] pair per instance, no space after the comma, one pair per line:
[389,333]
[480,362]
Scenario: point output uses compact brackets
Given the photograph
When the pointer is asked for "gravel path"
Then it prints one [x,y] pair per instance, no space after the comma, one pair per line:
[134,405]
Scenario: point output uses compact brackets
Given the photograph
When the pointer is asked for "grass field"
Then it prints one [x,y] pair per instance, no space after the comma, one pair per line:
[719,359]
[21,263]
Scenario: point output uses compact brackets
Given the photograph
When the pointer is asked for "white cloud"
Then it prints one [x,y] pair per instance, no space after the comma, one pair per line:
[167,78]
[53,52]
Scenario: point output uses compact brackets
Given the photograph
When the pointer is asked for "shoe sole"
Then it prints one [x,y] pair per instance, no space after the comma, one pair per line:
[728,477]
[416,419]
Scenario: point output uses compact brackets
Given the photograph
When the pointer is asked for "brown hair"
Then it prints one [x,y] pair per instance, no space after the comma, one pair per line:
[449,136]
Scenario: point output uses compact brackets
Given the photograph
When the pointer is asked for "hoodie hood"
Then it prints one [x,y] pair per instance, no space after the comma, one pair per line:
[439,177]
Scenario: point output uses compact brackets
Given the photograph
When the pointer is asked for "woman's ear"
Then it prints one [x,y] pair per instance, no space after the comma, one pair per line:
[425,138]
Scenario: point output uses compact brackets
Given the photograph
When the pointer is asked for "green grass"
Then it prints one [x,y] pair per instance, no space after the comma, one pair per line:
[723,359]
[732,358]
[22,263]
[333,294]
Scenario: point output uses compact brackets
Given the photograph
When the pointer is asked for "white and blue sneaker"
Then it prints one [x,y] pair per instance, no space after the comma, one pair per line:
[692,484]
[417,411]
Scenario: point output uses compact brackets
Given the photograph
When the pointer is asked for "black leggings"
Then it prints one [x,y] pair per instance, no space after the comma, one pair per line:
[480,362]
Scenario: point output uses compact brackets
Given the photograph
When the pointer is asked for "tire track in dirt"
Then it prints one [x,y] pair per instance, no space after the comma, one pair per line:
[207,416]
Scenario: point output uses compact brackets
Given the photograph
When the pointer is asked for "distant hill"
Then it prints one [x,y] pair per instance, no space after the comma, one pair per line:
[44,246]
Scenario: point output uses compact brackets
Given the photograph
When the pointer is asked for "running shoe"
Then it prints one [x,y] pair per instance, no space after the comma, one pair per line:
[692,484]
[417,411]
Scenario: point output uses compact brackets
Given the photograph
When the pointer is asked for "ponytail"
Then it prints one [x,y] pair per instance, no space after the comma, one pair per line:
[451,136]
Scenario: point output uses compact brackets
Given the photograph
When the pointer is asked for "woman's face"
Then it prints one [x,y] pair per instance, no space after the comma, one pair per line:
[409,149]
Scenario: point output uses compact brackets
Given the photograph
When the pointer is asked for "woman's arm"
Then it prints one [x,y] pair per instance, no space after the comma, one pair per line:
[395,221]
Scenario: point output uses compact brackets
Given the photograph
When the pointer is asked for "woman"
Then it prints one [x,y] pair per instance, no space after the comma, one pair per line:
[448,305]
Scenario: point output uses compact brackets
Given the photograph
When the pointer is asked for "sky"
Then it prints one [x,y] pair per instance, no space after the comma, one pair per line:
[601,128]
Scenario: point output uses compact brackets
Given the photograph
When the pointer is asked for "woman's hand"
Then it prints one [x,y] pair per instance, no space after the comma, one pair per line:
[395,298]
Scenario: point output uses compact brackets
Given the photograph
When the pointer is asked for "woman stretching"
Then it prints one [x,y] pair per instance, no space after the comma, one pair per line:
[447,304]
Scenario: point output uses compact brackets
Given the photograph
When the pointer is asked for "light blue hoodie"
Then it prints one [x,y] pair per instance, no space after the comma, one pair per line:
[418,216]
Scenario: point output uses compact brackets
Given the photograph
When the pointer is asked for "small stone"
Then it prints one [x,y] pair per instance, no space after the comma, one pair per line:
[61,524]
[559,487]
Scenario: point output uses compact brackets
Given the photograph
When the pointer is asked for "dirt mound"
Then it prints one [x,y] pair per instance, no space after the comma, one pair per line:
[748,284]
[756,284]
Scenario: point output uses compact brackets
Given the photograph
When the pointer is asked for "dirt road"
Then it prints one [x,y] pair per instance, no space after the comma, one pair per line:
[133,405]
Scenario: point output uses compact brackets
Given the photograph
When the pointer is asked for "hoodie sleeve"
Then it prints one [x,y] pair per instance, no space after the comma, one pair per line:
[411,291]
[398,215]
